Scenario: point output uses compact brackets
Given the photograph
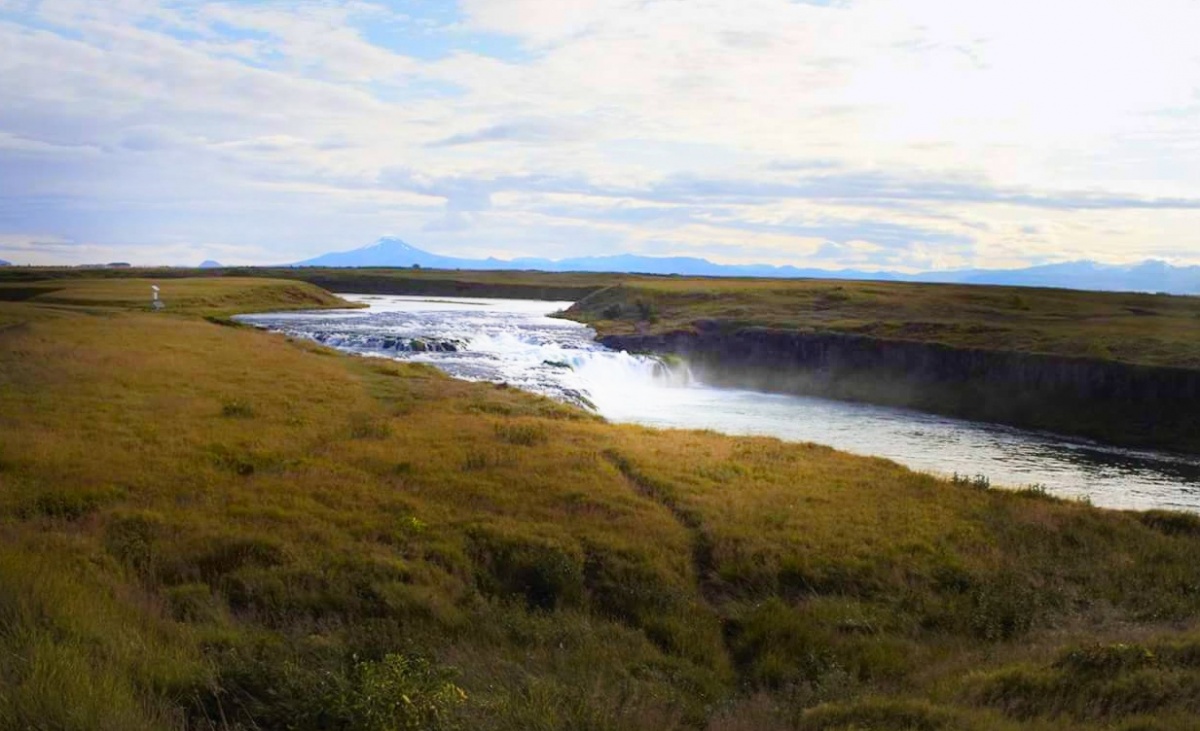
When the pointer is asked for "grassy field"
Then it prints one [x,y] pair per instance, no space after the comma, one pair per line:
[1161,330]
[367,280]
[210,527]
[1149,329]
[214,298]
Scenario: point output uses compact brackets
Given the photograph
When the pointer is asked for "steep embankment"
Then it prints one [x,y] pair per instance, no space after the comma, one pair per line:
[1120,368]
[207,527]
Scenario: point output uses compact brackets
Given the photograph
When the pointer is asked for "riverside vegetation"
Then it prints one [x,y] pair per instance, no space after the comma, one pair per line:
[204,526]
[1123,327]
[1122,368]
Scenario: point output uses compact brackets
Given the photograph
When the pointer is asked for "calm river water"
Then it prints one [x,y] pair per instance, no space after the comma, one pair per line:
[515,341]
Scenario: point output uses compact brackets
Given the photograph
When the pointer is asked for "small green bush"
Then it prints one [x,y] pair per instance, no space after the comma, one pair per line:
[399,693]
[979,482]
[1037,491]
[276,687]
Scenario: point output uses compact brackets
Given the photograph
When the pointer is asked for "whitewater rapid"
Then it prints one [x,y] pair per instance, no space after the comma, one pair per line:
[519,343]
[503,341]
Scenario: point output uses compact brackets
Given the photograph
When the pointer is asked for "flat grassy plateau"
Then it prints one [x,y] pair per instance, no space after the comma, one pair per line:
[1124,327]
[204,526]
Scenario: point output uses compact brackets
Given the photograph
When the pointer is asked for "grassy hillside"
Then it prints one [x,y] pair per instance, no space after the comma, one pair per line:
[434,282]
[1147,329]
[211,298]
[210,527]
[1125,327]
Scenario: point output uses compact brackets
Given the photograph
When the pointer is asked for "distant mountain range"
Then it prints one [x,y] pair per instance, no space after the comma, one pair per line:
[5,263]
[1148,276]
[211,264]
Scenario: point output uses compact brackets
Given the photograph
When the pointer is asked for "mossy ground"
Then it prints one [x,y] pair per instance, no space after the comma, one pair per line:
[214,527]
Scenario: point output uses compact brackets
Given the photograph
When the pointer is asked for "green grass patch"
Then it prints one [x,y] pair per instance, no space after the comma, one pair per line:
[310,539]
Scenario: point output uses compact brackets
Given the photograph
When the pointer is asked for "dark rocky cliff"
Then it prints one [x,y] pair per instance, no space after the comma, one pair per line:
[1114,402]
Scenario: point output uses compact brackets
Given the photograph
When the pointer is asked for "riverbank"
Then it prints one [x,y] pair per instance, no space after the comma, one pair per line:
[519,342]
[1120,368]
[206,526]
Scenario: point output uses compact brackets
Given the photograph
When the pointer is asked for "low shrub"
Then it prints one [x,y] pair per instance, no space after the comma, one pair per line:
[979,482]
[398,692]
[313,688]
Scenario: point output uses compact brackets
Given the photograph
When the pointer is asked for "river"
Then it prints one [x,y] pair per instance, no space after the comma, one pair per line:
[516,341]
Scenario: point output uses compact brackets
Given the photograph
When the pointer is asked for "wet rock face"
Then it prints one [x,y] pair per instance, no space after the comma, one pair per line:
[1114,402]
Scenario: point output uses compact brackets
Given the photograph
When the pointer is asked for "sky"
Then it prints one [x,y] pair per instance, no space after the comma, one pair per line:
[893,134]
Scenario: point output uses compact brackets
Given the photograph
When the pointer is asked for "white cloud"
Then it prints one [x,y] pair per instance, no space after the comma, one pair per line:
[928,131]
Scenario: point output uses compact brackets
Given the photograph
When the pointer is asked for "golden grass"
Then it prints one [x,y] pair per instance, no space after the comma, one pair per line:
[1126,327]
[214,527]
[211,297]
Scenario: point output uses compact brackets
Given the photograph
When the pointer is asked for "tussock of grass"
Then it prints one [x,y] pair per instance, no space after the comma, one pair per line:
[1171,523]
[1100,683]
[214,527]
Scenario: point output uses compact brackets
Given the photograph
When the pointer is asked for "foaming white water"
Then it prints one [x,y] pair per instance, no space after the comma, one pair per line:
[510,341]
[518,343]
[613,379]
